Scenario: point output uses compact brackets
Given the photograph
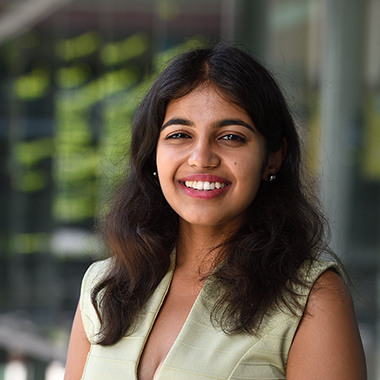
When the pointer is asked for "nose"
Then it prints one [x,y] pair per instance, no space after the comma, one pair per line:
[203,155]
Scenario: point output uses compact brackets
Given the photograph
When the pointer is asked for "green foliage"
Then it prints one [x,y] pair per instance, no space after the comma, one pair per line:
[77,47]
[73,76]
[27,243]
[115,53]
[92,125]
[33,85]
[30,153]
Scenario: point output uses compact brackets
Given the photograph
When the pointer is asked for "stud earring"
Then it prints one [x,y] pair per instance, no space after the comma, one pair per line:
[155,174]
[272,177]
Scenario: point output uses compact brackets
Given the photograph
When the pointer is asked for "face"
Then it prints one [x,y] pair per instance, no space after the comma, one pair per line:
[210,159]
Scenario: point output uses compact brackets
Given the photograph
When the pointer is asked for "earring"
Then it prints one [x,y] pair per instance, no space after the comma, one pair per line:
[155,174]
[272,177]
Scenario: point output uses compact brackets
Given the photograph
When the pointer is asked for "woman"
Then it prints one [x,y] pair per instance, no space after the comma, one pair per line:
[215,271]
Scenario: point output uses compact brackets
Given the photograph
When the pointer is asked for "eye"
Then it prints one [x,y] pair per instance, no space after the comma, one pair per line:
[232,137]
[177,136]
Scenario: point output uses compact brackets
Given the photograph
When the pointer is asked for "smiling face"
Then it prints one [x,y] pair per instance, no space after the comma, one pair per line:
[210,159]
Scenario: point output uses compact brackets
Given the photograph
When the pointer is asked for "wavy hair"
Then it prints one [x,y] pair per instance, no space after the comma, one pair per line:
[283,227]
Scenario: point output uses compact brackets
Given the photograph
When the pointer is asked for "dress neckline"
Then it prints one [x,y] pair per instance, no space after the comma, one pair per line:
[153,310]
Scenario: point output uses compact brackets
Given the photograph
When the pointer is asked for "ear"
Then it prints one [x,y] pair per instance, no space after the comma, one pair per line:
[275,160]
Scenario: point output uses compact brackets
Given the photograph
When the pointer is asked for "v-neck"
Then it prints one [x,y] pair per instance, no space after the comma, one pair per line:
[153,309]
[201,350]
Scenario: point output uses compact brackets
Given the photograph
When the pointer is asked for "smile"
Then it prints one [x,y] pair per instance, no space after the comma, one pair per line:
[204,185]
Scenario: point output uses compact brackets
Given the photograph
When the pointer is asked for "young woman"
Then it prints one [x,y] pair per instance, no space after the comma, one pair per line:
[215,241]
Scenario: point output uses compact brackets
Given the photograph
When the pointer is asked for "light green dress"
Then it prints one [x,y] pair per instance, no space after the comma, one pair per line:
[201,351]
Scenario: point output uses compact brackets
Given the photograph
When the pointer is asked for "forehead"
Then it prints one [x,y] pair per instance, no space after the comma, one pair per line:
[205,99]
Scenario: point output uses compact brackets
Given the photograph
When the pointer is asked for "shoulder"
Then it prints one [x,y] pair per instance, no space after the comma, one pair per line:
[311,275]
[95,273]
[327,343]
[98,269]
[329,290]
[313,271]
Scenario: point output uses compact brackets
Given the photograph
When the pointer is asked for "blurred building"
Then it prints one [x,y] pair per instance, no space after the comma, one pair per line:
[71,75]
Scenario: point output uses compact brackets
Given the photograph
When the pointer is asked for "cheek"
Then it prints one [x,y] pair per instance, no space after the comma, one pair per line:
[161,159]
[250,174]
[250,167]
[166,168]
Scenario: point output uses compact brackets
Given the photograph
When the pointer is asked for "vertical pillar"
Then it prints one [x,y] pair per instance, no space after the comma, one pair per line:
[228,21]
[246,22]
[341,93]
[252,27]
[17,280]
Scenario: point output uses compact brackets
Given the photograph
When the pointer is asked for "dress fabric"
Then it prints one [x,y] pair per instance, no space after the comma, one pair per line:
[201,351]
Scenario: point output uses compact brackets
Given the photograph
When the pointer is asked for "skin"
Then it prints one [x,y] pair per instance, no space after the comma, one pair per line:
[205,137]
[327,344]
[79,346]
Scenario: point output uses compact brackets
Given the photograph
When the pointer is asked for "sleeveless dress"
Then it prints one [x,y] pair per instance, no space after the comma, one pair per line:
[201,350]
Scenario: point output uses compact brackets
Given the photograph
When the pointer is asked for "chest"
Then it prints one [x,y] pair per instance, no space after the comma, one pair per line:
[165,330]
[172,342]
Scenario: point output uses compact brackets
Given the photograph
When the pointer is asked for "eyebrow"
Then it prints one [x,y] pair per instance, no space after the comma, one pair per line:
[218,124]
[227,122]
[177,121]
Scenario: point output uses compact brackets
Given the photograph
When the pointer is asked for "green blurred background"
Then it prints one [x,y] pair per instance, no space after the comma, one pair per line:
[71,75]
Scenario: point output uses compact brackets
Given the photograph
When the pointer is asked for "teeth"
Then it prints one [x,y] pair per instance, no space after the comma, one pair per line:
[205,186]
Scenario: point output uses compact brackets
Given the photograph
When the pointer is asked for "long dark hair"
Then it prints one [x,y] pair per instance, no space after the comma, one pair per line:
[283,227]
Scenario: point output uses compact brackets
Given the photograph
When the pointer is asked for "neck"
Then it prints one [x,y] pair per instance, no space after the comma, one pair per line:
[197,248]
